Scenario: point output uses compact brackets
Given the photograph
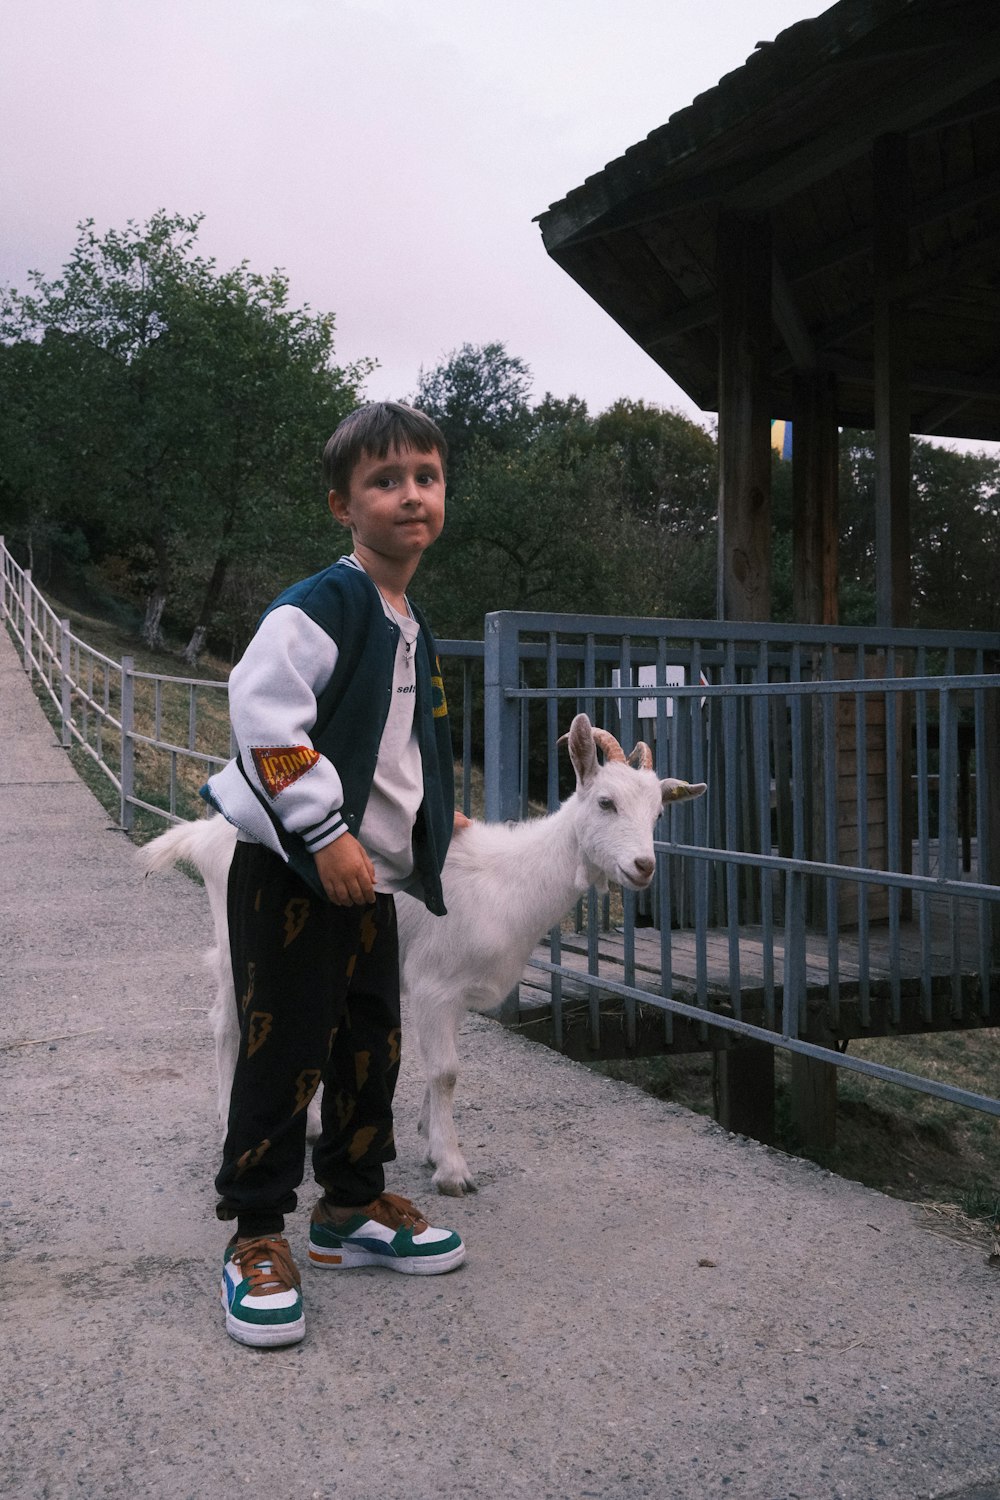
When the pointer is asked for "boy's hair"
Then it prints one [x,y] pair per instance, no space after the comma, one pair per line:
[372,430]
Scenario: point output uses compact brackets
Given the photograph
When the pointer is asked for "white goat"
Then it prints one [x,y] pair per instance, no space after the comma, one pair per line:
[505,885]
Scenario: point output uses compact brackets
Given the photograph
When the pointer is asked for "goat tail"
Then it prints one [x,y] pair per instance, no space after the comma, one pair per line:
[204,843]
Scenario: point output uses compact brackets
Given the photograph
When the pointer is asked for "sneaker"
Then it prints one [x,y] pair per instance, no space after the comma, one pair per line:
[389,1232]
[260,1292]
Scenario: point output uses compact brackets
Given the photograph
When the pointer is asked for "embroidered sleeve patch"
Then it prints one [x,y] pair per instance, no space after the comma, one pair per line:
[438,700]
[280,765]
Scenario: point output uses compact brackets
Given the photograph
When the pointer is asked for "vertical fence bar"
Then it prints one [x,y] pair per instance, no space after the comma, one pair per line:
[65,686]
[923,840]
[948,865]
[861,820]
[730,732]
[795,988]
[663,885]
[983,794]
[467,738]
[590,679]
[552,736]
[501,667]
[127,816]
[762,770]
[26,620]
[831,812]
[894,815]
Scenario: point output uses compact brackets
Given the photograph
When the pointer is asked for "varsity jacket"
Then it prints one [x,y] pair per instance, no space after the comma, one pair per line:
[308,703]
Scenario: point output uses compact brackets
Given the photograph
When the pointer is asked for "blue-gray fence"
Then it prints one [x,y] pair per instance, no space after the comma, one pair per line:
[154,736]
[839,880]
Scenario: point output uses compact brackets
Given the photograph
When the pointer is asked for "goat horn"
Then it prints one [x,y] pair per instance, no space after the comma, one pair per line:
[606,741]
[641,757]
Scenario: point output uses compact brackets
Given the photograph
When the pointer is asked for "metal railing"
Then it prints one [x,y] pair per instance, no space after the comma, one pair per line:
[141,730]
[766,921]
[836,882]
[153,736]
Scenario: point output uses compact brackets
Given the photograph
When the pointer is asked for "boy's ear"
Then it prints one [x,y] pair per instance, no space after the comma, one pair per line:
[339,508]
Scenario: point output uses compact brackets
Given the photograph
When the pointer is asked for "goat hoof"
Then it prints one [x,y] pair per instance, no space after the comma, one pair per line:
[455,1187]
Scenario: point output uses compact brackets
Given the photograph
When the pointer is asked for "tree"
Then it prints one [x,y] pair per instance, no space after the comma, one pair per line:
[667,465]
[184,409]
[478,394]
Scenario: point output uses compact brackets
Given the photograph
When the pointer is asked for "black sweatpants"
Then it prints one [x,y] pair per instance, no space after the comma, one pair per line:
[317,987]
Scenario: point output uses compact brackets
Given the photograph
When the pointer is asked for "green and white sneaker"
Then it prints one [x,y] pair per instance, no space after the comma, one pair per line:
[260,1292]
[389,1232]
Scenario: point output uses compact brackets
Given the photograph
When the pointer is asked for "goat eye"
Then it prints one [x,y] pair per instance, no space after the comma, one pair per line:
[606,804]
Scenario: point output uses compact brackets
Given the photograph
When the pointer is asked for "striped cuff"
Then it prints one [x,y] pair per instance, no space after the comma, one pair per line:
[324,832]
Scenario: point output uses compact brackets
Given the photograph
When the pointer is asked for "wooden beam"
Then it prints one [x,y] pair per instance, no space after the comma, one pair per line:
[744,281]
[890,248]
[948,77]
[928,211]
[698,314]
[910,283]
[790,322]
[956,383]
[934,417]
[765,178]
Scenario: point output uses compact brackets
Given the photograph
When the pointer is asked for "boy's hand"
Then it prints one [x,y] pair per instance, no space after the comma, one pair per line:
[346,872]
[461,821]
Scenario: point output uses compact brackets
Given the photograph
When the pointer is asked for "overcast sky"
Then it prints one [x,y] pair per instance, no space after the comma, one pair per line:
[389,155]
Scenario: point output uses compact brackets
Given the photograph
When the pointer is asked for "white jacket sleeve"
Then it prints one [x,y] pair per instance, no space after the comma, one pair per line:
[272,705]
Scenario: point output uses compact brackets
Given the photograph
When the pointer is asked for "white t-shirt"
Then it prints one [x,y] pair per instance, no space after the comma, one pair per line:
[386,831]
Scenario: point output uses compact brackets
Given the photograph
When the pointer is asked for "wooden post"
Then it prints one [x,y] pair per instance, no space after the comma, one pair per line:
[744,1090]
[814,1101]
[893,588]
[890,254]
[744,1075]
[815,462]
[989,849]
[744,277]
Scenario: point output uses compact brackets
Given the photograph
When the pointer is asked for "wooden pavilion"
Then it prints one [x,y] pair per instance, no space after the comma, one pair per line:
[817,238]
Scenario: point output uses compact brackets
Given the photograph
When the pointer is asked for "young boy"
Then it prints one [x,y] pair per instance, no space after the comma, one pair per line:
[343,794]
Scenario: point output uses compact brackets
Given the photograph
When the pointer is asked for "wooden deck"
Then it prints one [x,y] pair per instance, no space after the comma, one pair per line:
[896,998]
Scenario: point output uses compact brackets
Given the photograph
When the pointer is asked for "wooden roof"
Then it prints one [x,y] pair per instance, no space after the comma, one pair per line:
[790,135]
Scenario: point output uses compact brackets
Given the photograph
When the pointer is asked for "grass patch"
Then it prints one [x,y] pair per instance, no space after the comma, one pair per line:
[903,1143]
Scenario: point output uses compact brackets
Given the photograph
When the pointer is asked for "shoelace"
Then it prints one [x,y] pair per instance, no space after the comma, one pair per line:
[397,1212]
[388,1209]
[266,1262]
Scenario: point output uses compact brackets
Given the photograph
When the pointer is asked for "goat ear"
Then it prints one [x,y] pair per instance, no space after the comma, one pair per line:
[582,750]
[672,790]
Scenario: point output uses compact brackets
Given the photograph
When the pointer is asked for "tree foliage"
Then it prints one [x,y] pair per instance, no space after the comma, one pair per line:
[955,531]
[478,395]
[551,509]
[175,414]
[162,421]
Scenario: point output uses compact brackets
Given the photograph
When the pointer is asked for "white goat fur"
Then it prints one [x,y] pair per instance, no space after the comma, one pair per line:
[505,885]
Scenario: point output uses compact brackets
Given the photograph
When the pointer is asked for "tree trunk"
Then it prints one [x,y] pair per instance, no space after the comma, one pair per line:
[209,604]
[152,625]
[156,603]
[195,646]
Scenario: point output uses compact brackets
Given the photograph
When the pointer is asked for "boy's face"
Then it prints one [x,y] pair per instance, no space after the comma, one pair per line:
[394,506]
